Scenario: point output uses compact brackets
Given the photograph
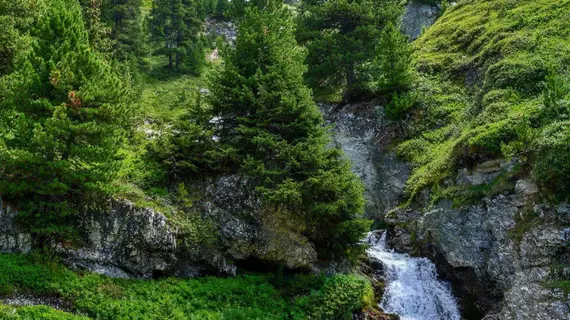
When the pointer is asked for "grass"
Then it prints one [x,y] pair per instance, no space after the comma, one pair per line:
[483,69]
[244,297]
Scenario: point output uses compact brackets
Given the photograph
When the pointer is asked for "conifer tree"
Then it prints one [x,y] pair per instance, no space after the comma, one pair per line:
[15,19]
[175,25]
[392,66]
[124,19]
[221,8]
[341,36]
[276,134]
[64,114]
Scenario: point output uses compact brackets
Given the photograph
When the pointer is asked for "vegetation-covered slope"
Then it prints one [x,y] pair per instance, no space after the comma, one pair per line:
[494,84]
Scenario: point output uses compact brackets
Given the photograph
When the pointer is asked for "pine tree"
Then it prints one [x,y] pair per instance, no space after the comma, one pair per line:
[392,66]
[124,19]
[98,30]
[221,8]
[340,36]
[275,133]
[15,20]
[176,25]
[64,115]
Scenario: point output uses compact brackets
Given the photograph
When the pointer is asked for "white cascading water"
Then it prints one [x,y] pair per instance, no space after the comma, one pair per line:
[413,290]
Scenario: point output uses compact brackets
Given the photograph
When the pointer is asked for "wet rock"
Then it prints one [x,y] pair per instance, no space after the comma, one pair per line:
[480,238]
[563,213]
[402,215]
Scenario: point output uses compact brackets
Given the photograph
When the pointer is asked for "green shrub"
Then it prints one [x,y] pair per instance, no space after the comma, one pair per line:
[36,313]
[339,297]
[552,165]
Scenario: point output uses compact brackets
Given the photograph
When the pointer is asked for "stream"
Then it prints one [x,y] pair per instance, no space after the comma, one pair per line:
[413,290]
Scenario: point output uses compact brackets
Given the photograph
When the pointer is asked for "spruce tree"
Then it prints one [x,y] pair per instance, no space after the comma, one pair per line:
[124,19]
[221,8]
[276,135]
[15,20]
[392,66]
[64,115]
[340,36]
[175,25]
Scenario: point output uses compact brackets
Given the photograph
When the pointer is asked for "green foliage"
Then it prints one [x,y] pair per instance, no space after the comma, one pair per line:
[271,130]
[391,69]
[400,104]
[15,19]
[64,116]
[175,26]
[36,312]
[124,18]
[339,297]
[242,297]
[341,36]
[222,7]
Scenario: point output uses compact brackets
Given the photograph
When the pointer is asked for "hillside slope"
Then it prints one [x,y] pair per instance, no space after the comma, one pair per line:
[489,140]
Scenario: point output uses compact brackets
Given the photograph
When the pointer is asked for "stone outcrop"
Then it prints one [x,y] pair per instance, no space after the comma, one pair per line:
[13,239]
[365,135]
[122,240]
[418,16]
[248,229]
[495,253]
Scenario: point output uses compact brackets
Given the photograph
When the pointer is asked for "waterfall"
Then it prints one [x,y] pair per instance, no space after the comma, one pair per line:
[413,290]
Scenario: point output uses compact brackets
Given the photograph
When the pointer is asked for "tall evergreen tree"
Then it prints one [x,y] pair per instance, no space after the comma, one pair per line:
[221,8]
[341,36]
[64,115]
[15,19]
[98,30]
[175,25]
[276,134]
[125,21]
[391,70]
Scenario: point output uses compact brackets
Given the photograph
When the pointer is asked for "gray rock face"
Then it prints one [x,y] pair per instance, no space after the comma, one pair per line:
[481,238]
[364,134]
[124,240]
[12,238]
[418,16]
[250,230]
[224,29]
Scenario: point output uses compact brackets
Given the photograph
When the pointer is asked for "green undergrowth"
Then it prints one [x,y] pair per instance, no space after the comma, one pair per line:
[36,313]
[243,297]
[494,83]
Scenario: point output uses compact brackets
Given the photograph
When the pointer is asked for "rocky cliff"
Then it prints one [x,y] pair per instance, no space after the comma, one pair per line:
[504,254]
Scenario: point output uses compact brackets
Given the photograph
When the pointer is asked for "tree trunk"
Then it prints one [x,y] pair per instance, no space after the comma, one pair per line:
[350,82]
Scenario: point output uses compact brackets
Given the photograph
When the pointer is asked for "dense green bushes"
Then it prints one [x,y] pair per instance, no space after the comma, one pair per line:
[35,313]
[339,297]
[243,297]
